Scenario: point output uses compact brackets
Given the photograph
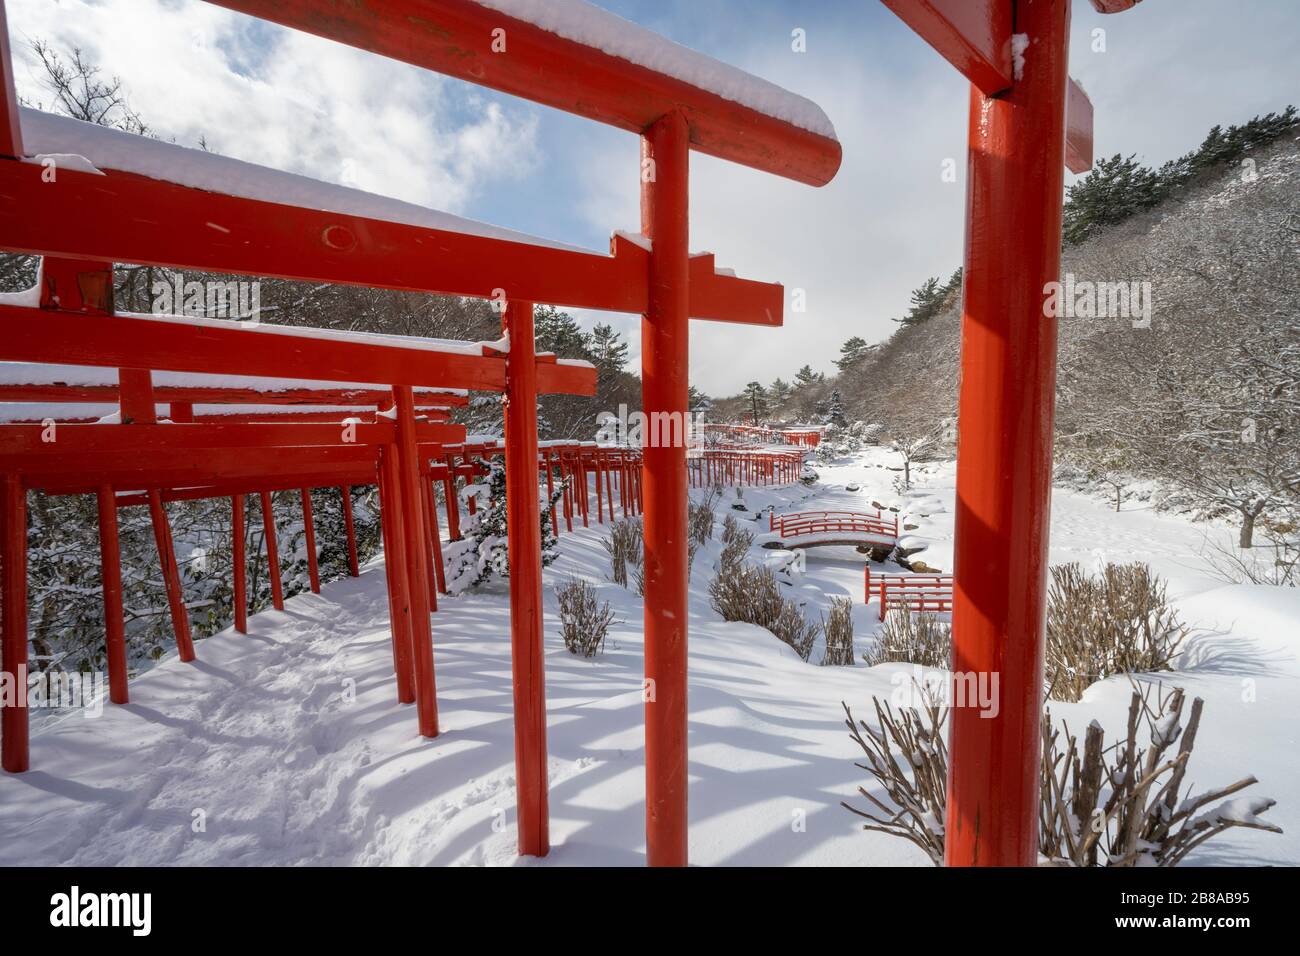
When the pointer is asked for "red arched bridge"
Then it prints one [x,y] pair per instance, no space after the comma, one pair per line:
[810,529]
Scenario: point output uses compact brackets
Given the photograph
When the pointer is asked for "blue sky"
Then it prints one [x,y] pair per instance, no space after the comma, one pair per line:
[1170,70]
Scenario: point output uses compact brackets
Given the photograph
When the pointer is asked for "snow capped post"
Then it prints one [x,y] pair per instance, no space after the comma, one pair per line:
[664,338]
[523,531]
[1016,56]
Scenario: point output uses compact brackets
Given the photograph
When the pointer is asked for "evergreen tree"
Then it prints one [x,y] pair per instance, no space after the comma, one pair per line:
[806,377]
[608,350]
[757,397]
[851,353]
[835,410]
[482,554]
[926,302]
[1113,190]
[697,401]
[778,391]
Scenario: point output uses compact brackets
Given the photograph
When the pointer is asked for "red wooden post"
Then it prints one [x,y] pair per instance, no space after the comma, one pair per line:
[664,349]
[550,492]
[453,507]
[399,610]
[272,551]
[354,567]
[239,560]
[1013,249]
[162,535]
[525,548]
[435,532]
[110,573]
[13,714]
[309,527]
[432,543]
[416,540]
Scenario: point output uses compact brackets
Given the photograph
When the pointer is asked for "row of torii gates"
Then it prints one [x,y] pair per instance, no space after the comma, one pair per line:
[586,62]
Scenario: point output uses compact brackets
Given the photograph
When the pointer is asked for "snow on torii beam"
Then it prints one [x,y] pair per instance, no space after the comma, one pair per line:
[1027,121]
[567,64]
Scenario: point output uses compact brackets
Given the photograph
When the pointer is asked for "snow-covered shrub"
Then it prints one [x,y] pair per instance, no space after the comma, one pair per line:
[921,638]
[838,628]
[736,542]
[624,545]
[701,516]
[808,476]
[743,592]
[1122,805]
[482,553]
[1118,622]
[584,621]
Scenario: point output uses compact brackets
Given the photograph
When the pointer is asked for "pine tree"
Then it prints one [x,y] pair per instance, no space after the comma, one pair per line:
[1115,189]
[757,396]
[852,352]
[926,302]
[835,410]
[696,401]
[482,554]
[806,377]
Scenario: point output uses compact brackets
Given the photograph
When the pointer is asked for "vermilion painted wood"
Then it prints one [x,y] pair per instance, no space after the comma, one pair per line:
[110,573]
[14,755]
[435,536]
[1004,447]
[162,535]
[416,537]
[272,551]
[455,37]
[309,531]
[76,285]
[224,489]
[169,228]
[239,560]
[54,392]
[1114,6]
[664,356]
[1078,129]
[28,335]
[524,544]
[972,35]
[29,442]
[11,134]
[349,527]
[392,521]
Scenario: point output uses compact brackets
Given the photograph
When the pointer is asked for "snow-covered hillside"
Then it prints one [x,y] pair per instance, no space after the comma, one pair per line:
[287,745]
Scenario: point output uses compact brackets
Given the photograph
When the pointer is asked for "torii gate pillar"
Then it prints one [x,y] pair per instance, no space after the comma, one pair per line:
[664,355]
[1004,446]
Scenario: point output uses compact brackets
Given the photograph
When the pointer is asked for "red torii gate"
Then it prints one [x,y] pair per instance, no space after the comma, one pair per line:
[1028,121]
[172,225]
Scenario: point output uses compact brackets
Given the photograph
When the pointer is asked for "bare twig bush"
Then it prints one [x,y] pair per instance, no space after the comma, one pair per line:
[838,628]
[701,516]
[1122,805]
[915,638]
[584,620]
[908,757]
[624,545]
[1276,563]
[1118,622]
[742,592]
[736,542]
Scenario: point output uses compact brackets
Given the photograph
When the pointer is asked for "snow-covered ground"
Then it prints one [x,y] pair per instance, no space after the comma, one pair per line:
[287,745]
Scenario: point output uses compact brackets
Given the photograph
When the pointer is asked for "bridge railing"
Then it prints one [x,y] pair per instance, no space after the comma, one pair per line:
[911,592]
[822,522]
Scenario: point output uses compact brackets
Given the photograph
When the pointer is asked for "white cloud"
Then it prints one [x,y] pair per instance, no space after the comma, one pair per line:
[285,99]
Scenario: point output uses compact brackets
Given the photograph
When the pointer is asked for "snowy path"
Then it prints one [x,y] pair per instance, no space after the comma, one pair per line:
[288,746]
